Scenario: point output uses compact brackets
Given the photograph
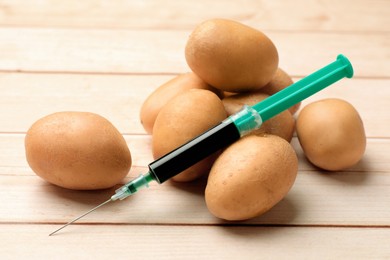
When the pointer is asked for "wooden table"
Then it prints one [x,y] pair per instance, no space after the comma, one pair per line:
[107,56]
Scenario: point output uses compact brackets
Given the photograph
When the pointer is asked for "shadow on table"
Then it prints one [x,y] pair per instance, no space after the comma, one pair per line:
[196,187]
[356,175]
[85,197]
[282,214]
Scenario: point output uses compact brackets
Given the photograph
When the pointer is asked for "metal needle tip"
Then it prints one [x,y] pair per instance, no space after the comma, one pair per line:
[74,220]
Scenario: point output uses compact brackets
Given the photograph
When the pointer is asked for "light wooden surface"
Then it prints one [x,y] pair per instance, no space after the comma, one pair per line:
[107,56]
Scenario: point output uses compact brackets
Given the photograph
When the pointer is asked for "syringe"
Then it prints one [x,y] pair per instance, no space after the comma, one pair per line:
[231,129]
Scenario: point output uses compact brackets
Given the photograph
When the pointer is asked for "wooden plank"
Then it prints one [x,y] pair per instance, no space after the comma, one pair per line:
[162,51]
[330,15]
[193,242]
[107,56]
[317,198]
[120,97]
[13,162]
[116,97]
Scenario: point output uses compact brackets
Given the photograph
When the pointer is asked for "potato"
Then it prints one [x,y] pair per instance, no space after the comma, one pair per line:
[250,177]
[280,81]
[331,134]
[182,119]
[156,100]
[231,56]
[282,125]
[77,150]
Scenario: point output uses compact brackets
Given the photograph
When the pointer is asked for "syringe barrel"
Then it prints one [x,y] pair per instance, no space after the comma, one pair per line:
[305,87]
[195,150]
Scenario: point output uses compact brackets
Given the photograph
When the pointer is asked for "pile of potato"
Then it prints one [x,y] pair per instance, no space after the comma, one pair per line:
[232,65]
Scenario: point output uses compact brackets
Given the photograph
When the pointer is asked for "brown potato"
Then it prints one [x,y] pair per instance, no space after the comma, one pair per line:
[280,81]
[231,56]
[331,134]
[77,150]
[282,125]
[250,177]
[156,100]
[182,119]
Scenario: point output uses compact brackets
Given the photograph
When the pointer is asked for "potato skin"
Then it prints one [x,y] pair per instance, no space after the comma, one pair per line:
[77,150]
[250,177]
[231,56]
[182,119]
[331,134]
[158,98]
[282,125]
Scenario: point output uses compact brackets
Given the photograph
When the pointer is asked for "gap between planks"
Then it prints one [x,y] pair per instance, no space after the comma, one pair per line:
[152,74]
[86,223]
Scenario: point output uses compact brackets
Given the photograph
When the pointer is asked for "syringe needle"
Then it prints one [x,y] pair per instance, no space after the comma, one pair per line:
[120,194]
[74,220]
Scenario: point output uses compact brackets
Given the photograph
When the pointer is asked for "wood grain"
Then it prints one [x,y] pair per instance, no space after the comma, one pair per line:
[376,159]
[108,56]
[330,15]
[196,242]
[119,98]
[338,199]
[353,197]
[162,51]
